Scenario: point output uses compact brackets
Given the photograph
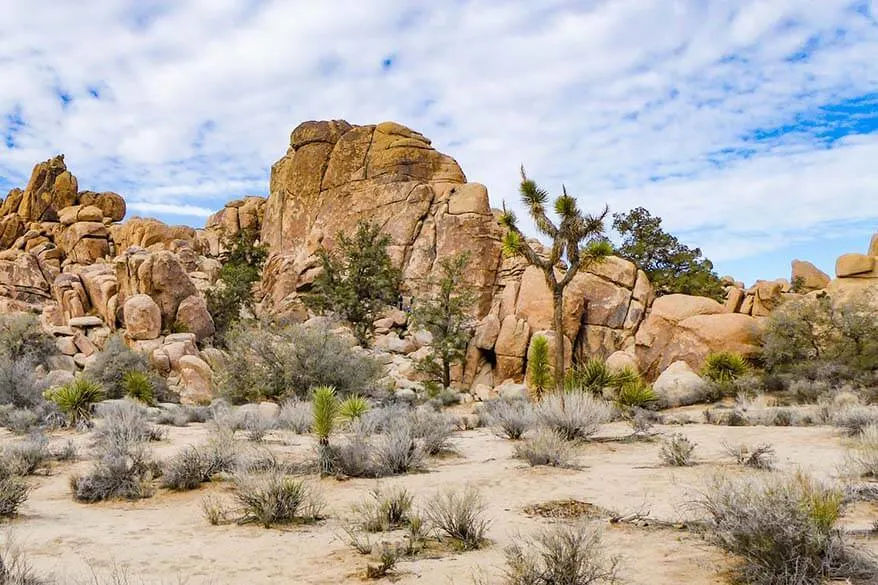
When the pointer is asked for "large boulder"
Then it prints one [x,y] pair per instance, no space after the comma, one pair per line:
[85,242]
[807,276]
[684,328]
[196,378]
[859,265]
[111,205]
[679,385]
[142,317]
[336,174]
[193,316]
[148,233]
[21,277]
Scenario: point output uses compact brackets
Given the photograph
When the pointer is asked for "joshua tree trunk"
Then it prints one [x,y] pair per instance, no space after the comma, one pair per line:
[558,325]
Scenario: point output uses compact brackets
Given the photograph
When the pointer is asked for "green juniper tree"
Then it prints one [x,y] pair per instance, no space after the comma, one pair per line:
[358,279]
[446,314]
[234,290]
[671,266]
[577,239]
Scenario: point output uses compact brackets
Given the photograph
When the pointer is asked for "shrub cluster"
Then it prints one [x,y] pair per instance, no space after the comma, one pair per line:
[266,363]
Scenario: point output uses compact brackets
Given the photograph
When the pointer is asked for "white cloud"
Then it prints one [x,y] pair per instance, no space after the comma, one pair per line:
[609,97]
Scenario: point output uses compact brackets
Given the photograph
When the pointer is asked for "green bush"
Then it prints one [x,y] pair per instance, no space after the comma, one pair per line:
[822,338]
[77,398]
[724,367]
[276,499]
[539,367]
[274,364]
[358,279]
[635,394]
[110,366]
[783,531]
[385,510]
[22,339]
[353,408]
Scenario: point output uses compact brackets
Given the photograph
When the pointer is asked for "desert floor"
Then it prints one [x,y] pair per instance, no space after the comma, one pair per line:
[166,539]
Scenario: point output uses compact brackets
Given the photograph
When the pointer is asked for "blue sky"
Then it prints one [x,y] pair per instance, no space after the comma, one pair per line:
[749,126]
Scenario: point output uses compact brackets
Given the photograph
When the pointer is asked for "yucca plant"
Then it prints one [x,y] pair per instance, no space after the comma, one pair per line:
[139,386]
[539,371]
[76,398]
[326,415]
[635,394]
[724,367]
[592,376]
[353,408]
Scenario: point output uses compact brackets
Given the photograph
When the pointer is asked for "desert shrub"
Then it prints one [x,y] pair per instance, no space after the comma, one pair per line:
[821,337]
[563,554]
[459,516]
[15,568]
[296,416]
[77,398]
[111,364]
[384,510]
[574,416]
[724,367]
[13,493]
[433,429]
[19,385]
[783,531]
[397,451]
[273,499]
[19,420]
[124,423]
[22,339]
[677,450]
[139,386]
[546,447]
[180,416]
[213,509]
[354,457]
[197,464]
[254,424]
[117,475]
[27,456]
[864,453]
[853,418]
[387,558]
[757,457]
[280,363]
[511,418]
[353,408]
[382,418]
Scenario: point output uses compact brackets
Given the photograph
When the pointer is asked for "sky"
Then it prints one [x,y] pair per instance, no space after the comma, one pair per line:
[749,127]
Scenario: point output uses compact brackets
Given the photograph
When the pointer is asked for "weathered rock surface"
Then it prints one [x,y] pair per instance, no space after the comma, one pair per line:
[679,385]
[142,317]
[808,276]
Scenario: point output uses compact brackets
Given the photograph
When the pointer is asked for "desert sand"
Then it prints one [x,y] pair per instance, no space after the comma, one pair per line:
[166,539]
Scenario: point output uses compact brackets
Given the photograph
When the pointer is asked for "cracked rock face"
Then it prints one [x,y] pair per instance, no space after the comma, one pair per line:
[336,174]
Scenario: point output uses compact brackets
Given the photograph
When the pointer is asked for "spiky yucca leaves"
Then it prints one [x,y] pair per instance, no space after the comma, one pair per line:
[725,367]
[539,370]
[592,376]
[577,238]
[139,386]
[326,414]
[353,407]
[635,394]
[76,398]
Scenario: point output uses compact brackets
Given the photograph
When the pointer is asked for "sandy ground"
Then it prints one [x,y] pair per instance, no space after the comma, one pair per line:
[166,539]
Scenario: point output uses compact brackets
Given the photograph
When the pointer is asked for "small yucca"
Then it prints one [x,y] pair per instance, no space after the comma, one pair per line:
[724,367]
[139,386]
[592,376]
[636,394]
[326,414]
[353,407]
[76,398]
[539,370]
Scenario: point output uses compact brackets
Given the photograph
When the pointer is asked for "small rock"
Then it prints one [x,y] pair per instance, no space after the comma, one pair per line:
[86,322]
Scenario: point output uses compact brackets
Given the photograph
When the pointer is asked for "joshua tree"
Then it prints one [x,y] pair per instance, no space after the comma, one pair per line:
[577,239]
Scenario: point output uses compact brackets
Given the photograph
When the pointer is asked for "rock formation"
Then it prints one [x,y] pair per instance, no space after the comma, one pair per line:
[66,254]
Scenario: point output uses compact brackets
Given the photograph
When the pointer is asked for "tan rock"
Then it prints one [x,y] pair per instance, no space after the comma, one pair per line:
[513,339]
[194,316]
[111,205]
[679,385]
[620,360]
[142,317]
[734,299]
[158,274]
[873,245]
[85,242]
[21,277]
[51,188]
[147,232]
[487,332]
[196,379]
[849,265]
[677,307]
[616,270]
[11,228]
[767,296]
